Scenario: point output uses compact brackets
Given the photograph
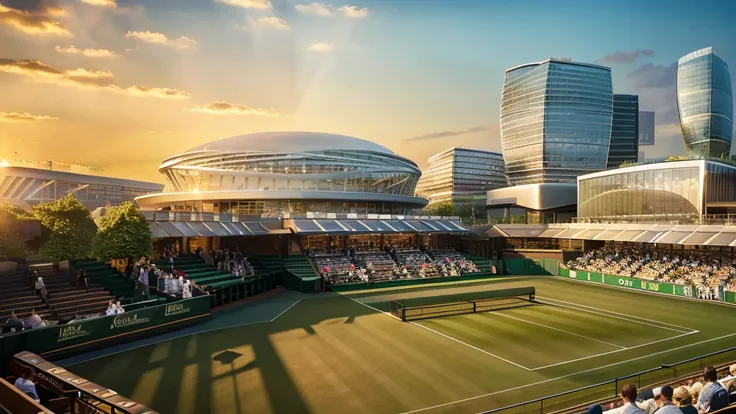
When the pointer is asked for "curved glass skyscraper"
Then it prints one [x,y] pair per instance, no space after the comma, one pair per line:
[556,120]
[705,103]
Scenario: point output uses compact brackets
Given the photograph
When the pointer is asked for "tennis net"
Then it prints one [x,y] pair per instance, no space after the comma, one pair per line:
[457,304]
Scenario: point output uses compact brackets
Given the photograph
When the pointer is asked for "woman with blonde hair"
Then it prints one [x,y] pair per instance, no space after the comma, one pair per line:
[684,401]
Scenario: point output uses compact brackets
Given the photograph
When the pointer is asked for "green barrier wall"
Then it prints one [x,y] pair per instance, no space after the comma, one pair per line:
[65,339]
[552,266]
[302,284]
[639,284]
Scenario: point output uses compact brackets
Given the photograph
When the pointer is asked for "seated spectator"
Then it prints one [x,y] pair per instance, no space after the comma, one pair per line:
[186,289]
[595,409]
[714,396]
[664,401]
[628,395]
[34,321]
[26,385]
[12,324]
[684,401]
[75,319]
[730,380]
[112,308]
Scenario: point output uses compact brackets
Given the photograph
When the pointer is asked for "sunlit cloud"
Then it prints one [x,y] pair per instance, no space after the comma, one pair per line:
[34,22]
[18,117]
[181,42]
[37,71]
[101,3]
[247,4]
[354,12]
[93,53]
[272,22]
[317,9]
[320,47]
[227,108]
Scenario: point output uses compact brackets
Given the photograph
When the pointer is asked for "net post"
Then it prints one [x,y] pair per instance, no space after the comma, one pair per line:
[403,314]
[474,307]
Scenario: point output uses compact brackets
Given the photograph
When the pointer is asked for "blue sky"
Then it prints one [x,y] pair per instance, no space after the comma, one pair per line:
[416,76]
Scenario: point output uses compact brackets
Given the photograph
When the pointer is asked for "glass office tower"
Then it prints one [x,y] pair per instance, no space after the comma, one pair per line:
[556,120]
[625,131]
[705,103]
[461,175]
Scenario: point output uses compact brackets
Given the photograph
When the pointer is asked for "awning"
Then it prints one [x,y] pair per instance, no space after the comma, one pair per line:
[217,228]
[184,228]
[722,239]
[419,225]
[354,225]
[672,237]
[331,226]
[551,232]
[522,231]
[568,233]
[170,229]
[589,234]
[400,226]
[608,235]
[236,229]
[648,236]
[307,226]
[201,228]
[699,237]
[156,231]
[627,235]
[255,227]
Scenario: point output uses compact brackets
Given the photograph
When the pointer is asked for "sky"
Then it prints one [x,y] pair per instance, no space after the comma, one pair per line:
[122,84]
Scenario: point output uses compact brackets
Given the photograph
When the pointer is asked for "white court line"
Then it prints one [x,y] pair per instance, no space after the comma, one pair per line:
[566,375]
[446,336]
[613,352]
[628,318]
[471,346]
[559,330]
[285,310]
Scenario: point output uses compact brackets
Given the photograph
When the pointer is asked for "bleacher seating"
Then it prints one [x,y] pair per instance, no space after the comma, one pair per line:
[65,298]
[380,265]
[17,294]
[204,275]
[106,276]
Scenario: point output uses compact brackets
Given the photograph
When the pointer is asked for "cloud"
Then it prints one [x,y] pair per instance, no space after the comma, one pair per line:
[651,75]
[353,12]
[94,53]
[448,134]
[34,19]
[181,42]
[272,22]
[626,57]
[101,3]
[320,47]
[227,108]
[84,78]
[248,4]
[321,9]
[317,9]
[24,117]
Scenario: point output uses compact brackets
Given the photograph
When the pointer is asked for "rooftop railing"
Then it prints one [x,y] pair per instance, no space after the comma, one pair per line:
[226,217]
[706,219]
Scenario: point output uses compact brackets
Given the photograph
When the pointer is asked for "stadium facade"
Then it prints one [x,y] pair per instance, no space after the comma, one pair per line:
[666,191]
[705,103]
[25,186]
[556,118]
[624,131]
[462,176]
[294,191]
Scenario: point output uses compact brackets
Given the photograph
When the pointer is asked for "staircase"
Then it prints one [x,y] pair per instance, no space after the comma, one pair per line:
[104,275]
[65,298]
[17,295]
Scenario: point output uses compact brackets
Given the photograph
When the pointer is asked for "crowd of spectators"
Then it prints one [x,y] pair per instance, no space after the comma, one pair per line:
[709,273]
[227,260]
[391,263]
[695,396]
[15,324]
[169,281]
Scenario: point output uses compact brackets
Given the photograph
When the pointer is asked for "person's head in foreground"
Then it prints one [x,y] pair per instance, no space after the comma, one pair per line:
[628,393]
[710,374]
[663,395]
[681,397]
[595,409]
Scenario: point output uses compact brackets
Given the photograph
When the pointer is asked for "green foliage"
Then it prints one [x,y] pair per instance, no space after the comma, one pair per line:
[628,164]
[69,228]
[11,242]
[123,232]
[444,208]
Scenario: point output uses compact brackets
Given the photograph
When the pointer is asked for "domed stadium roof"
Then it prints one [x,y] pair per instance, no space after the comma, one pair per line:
[290,141]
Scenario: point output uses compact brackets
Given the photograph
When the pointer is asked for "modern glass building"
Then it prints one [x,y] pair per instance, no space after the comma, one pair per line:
[556,118]
[461,175]
[624,131]
[705,103]
[646,128]
[665,191]
[269,174]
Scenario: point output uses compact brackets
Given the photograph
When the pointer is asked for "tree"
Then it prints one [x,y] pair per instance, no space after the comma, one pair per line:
[443,208]
[123,232]
[11,242]
[68,228]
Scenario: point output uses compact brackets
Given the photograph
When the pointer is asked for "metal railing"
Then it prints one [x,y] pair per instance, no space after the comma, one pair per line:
[226,217]
[610,389]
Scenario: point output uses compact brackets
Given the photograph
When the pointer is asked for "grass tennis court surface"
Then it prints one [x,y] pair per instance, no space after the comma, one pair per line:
[331,353]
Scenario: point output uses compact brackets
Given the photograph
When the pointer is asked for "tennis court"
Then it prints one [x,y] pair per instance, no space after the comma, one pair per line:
[326,351]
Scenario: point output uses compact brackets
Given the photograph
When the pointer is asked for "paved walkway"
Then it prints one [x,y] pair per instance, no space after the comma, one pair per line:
[258,309]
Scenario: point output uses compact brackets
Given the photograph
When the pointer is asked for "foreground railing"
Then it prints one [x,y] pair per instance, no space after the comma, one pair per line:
[611,388]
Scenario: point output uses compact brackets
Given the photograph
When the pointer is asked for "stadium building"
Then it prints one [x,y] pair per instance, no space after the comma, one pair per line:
[297,190]
[462,176]
[26,184]
[705,103]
